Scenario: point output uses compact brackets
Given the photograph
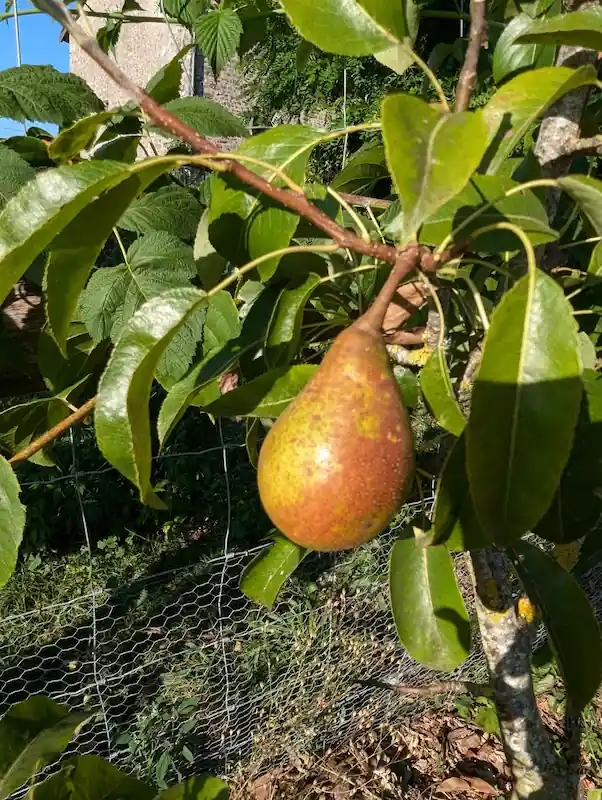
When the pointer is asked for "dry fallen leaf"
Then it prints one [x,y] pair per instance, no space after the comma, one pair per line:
[453,785]
[481,786]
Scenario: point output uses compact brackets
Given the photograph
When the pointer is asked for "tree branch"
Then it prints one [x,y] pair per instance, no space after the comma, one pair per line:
[468,75]
[368,202]
[54,432]
[434,689]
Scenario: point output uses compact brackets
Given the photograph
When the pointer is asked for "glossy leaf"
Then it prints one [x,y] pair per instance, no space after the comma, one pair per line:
[45,94]
[91,777]
[32,734]
[12,521]
[199,787]
[44,207]
[587,193]
[569,619]
[439,393]
[580,28]
[429,613]
[264,577]
[511,57]
[353,28]
[521,101]
[284,331]
[363,171]
[524,209]
[576,507]
[266,396]
[524,407]
[31,149]
[455,523]
[164,85]
[218,34]
[172,209]
[432,155]
[243,227]
[206,116]
[74,251]
[408,385]
[71,141]
[122,413]
[15,172]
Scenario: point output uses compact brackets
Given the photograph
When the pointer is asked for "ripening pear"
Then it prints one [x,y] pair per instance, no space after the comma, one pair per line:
[336,466]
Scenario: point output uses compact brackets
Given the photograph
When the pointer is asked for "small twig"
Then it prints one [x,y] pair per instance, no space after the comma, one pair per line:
[54,432]
[468,75]
[434,689]
[362,200]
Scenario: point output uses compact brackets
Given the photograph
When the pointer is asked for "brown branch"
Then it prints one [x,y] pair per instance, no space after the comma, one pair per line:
[54,432]
[468,75]
[434,689]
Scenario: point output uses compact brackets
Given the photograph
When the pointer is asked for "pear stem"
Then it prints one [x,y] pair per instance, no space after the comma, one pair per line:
[407,261]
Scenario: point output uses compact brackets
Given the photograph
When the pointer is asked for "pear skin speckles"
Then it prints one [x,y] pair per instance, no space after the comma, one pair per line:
[335,467]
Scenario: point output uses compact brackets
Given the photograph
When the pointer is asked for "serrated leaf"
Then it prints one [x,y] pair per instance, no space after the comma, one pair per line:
[521,101]
[524,209]
[580,28]
[576,506]
[165,83]
[218,35]
[439,394]
[79,136]
[200,787]
[284,332]
[264,577]
[430,615]
[511,56]
[42,93]
[569,619]
[44,207]
[122,414]
[205,116]
[15,172]
[363,171]
[243,227]
[72,254]
[353,28]
[266,396]
[455,523]
[12,524]
[32,734]
[431,154]
[173,209]
[524,408]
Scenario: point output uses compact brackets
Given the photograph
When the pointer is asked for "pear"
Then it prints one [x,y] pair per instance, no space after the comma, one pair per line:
[337,464]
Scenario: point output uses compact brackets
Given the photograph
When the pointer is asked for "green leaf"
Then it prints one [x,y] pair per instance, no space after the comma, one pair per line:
[581,28]
[431,154]
[218,35]
[587,193]
[73,253]
[42,93]
[516,106]
[122,413]
[524,407]
[31,149]
[71,141]
[576,507]
[524,209]
[455,523]
[569,618]
[439,394]
[44,207]
[363,171]
[353,28]
[165,83]
[284,332]
[32,734]
[200,386]
[205,116]
[200,787]
[243,227]
[210,266]
[83,358]
[511,57]
[264,577]
[266,396]
[15,172]
[173,209]
[408,385]
[429,613]
[90,777]
[12,522]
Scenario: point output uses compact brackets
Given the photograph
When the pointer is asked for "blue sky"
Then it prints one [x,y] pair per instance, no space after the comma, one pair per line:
[39,45]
